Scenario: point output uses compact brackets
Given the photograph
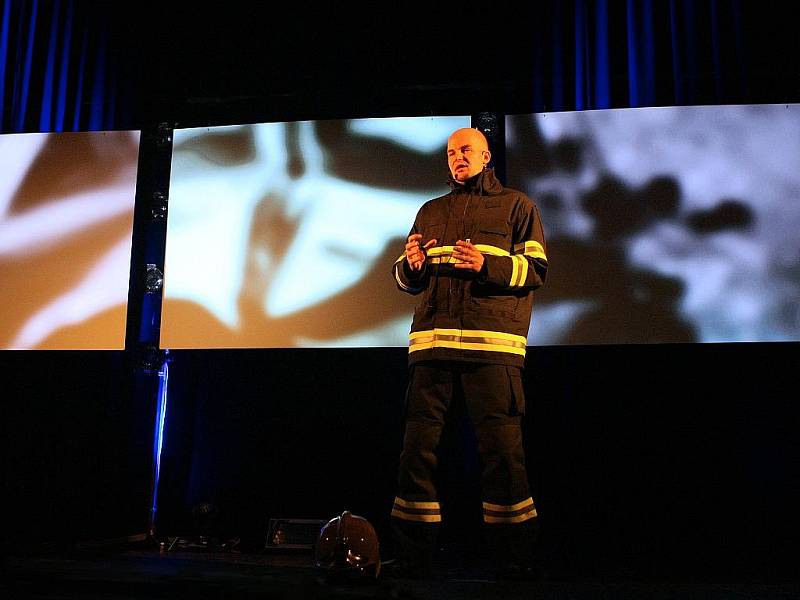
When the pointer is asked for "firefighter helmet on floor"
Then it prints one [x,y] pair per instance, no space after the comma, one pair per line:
[347,547]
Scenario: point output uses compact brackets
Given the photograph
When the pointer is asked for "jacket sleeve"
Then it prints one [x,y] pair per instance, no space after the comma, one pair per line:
[526,267]
[411,282]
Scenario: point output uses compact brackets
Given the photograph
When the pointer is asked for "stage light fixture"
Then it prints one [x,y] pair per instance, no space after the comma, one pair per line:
[154,279]
[158,207]
[164,136]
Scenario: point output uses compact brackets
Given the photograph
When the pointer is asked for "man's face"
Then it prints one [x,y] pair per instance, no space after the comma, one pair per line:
[467,153]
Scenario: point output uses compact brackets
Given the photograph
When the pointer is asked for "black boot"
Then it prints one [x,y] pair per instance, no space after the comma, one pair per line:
[414,544]
[512,548]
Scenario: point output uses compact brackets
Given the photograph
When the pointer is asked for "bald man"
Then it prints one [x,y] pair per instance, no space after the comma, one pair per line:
[473,258]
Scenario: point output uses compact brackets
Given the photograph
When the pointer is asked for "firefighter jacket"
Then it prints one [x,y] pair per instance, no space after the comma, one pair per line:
[463,315]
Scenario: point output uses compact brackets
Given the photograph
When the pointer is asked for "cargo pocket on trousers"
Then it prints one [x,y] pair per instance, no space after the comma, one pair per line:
[517,403]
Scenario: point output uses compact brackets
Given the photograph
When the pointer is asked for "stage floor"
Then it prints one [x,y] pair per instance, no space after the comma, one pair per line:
[188,575]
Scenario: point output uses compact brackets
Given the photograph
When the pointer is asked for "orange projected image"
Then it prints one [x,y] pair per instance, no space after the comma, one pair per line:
[66,220]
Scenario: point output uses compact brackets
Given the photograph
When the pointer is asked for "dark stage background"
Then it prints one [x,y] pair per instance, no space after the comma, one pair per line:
[675,460]
[78,447]
[663,460]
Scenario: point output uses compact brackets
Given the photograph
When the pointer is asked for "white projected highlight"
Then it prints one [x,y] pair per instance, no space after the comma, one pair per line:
[423,135]
[330,256]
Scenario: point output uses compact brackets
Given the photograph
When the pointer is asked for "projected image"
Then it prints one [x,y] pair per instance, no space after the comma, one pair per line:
[66,218]
[284,234]
[665,224]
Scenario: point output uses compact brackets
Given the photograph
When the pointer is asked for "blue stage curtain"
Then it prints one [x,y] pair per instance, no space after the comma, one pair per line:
[67,66]
[57,69]
[594,54]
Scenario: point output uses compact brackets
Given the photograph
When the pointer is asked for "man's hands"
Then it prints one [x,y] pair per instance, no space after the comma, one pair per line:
[468,256]
[464,252]
[414,254]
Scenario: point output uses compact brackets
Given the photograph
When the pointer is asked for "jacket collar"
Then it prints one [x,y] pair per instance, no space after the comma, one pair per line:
[484,183]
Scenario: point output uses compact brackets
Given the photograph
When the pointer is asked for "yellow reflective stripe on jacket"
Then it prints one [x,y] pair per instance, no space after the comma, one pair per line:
[509,513]
[439,251]
[493,250]
[443,254]
[530,248]
[523,270]
[467,339]
[514,271]
[519,271]
[399,280]
[500,335]
[447,251]
[482,248]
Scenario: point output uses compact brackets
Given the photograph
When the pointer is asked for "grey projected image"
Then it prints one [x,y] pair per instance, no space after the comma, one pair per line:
[674,224]
[284,234]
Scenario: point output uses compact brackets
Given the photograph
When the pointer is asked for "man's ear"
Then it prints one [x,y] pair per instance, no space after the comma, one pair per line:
[487,156]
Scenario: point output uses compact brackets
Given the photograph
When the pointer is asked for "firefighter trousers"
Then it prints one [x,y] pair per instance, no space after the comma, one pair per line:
[494,400]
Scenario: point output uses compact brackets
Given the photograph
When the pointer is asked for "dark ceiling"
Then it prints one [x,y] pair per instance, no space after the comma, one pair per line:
[261,61]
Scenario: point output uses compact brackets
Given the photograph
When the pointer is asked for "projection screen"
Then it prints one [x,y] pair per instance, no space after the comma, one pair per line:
[677,224]
[284,234]
[66,219]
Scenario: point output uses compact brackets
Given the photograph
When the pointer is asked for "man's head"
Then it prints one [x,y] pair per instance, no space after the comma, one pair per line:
[467,153]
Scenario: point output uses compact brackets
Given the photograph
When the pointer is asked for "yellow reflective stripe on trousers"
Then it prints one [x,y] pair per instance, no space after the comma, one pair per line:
[531,514]
[422,518]
[424,512]
[508,507]
[509,513]
[468,339]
